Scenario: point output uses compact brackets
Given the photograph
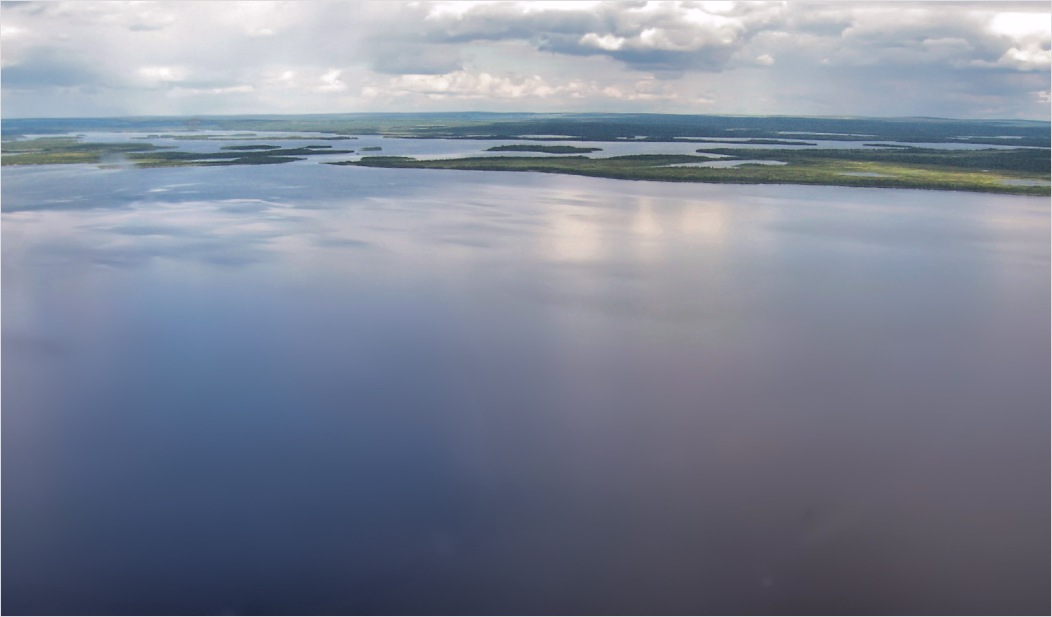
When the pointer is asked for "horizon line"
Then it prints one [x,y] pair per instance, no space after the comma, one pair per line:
[533,113]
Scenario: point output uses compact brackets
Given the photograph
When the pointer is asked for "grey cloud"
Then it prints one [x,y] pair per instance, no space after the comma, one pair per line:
[692,36]
[826,24]
[930,34]
[578,33]
[145,27]
[508,21]
[927,90]
[147,16]
[644,36]
[299,57]
[31,8]
[415,59]
[659,61]
[49,68]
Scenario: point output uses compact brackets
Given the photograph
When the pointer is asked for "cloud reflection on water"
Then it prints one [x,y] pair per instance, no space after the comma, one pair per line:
[423,392]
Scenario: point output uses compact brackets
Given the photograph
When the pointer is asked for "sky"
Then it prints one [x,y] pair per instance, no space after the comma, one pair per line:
[944,59]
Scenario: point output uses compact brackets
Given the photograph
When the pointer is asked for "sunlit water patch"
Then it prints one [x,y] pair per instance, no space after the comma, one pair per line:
[1022,182]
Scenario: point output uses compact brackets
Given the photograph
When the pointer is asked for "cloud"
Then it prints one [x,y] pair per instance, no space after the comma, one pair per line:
[734,57]
[948,36]
[467,86]
[1030,58]
[42,68]
[331,82]
[707,36]
[643,35]
[403,58]
[162,74]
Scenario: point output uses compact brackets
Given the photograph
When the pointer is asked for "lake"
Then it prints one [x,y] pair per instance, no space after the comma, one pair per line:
[312,389]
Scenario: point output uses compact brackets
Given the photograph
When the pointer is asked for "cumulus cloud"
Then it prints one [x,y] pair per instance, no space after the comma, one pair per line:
[464,85]
[945,36]
[643,35]
[65,58]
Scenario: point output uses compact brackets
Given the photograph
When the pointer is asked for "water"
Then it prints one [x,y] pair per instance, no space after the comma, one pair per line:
[312,389]
[1021,182]
[215,141]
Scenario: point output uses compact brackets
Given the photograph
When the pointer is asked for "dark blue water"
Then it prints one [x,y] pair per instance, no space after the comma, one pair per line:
[314,390]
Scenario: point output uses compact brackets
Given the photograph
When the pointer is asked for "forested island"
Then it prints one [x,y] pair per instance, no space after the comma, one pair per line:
[1003,156]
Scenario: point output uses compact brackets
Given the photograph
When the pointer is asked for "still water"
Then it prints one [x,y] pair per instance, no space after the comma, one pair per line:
[312,389]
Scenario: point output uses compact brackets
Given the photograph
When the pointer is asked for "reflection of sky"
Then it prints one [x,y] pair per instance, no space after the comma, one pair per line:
[707,223]
[576,233]
[349,374]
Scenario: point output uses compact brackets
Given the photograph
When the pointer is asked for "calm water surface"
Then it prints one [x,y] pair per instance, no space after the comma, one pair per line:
[309,389]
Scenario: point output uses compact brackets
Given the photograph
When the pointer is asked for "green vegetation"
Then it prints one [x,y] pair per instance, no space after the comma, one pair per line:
[64,150]
[544,149]
[984,171]
[203,159]
[1006,170]
[1017,160]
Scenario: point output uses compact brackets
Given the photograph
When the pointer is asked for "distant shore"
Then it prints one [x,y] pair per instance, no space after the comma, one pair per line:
[995,156]
[1007,171]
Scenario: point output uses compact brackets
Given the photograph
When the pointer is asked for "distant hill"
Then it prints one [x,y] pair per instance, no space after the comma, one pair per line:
[556,127]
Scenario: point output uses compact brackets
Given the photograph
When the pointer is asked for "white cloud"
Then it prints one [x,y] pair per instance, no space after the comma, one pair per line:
[185,92]
[1028,59]
[11,32]
[330,82]
[1020,25]
[196,57]
[162,74]
[608,42]
[467,86]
